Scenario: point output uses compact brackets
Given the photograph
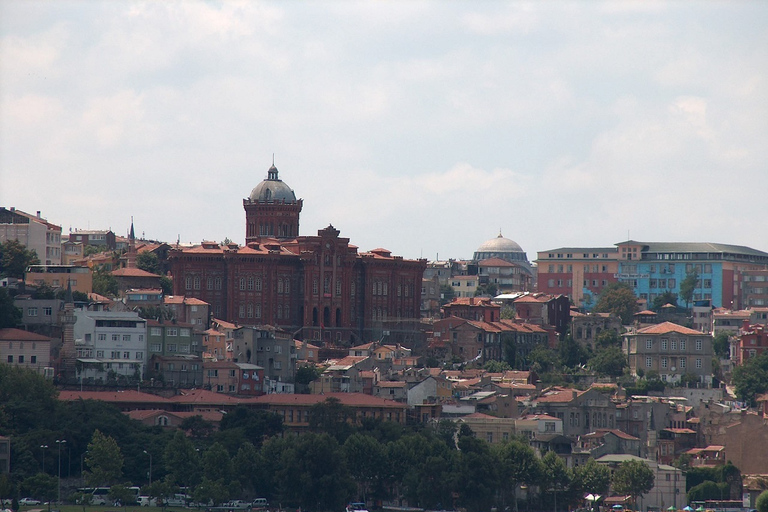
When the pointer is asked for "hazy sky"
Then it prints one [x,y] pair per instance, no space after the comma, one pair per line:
[420,127]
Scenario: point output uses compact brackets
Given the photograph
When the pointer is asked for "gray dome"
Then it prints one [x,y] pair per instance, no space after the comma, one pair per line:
[273,189]
[502,248]
[500,244]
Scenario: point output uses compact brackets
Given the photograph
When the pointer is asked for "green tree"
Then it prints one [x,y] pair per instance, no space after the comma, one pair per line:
[751,378]
[216,464]
[366,462]
[90,250]
[15,258]
[182,461]
[592,478]
[104,460]
[555,475]
[447,294]
[210,490]
[166,284]
[305,374]
[332,417]
[634,478]
[248,465]
[119,493]
[486,289]
[148,261]
[44,292]
[619,299]
[663,299]
[518,465]
[687,286]
[494,366]
[609,361]
[571,353]
[104,283]
[762,502]
[10,315]
[722,345]
[160,490]
[608,338]
[27,400]
[42,486]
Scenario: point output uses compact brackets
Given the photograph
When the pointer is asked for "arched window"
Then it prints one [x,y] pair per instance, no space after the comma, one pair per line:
[279,285]
[197,282]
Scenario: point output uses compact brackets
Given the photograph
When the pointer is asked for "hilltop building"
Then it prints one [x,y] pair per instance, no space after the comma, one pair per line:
[318,287]
[34,232]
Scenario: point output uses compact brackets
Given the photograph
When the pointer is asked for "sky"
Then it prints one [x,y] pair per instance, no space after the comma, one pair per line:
[425,128]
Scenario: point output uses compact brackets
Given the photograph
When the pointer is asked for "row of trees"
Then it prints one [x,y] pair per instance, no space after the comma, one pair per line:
[250,455]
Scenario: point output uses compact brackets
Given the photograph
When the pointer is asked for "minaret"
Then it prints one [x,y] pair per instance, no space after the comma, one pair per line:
[67,319]
[130,255]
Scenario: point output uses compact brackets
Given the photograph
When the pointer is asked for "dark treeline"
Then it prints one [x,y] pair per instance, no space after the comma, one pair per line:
[250,455]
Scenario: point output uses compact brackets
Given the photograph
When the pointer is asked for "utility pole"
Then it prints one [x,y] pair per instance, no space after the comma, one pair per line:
[60,442]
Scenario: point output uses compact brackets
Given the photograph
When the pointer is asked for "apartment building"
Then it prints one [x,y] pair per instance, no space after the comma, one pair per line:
[110,342]
[670,349]
[32,231]
[580,273]
[26,349]
[61,276]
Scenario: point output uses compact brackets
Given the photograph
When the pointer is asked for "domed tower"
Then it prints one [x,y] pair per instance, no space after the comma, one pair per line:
[502,248]
[271,210]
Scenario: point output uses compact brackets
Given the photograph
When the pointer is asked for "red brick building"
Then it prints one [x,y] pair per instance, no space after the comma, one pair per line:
[752,341]
[317,287]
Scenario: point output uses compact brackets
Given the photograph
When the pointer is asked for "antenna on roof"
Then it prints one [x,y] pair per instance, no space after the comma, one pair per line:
[273,159]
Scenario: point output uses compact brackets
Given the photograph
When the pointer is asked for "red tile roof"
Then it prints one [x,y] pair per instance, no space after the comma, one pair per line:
[349,399]
[133,272]
[11,334]
[666,327]
[128,395]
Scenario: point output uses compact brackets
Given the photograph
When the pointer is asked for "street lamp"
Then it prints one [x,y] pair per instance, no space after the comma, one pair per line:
[43,446]
[60,442]
[150,466]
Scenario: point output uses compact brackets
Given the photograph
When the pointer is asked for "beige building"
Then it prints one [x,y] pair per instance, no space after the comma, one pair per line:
[489,428]
[670,349]
[26,349]
[669,483]
[464,286]
[59,276]
[34,232]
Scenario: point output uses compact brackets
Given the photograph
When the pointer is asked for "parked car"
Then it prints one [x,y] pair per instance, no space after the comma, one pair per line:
[146,501]
[237,505]
[28,501]
[260,504]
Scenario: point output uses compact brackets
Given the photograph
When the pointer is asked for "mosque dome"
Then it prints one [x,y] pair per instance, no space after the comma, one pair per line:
[502,248]
[272,189]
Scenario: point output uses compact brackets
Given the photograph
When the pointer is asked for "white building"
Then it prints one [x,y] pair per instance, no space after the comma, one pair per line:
[109,341]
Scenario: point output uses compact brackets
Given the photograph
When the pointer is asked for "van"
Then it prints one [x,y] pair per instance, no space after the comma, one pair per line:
[146,501]
[260,504]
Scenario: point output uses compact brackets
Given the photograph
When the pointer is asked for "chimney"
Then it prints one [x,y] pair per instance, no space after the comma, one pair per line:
[38,214]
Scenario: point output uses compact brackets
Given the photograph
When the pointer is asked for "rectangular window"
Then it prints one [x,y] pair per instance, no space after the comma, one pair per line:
[47,311]
[278,365]
[171,347]
[184,332]
[126,337]
[673,345]
[172,331]
[102,337]
[115,337]
[648,344]
[664,344]
[99,353]
[698,344]
[21,359]
[33,360]
[31,311]
[184,349]
[126,355]
[648,362]
[213,373]
[10,359]
[155,347]
[139,355]
[682,362]
[682,345]
[156,331]
[698,362]
[664,362]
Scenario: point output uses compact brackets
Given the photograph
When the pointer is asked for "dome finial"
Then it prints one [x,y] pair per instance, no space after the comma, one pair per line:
[500,234]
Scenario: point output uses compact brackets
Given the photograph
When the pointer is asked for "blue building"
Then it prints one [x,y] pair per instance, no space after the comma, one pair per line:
[652,268]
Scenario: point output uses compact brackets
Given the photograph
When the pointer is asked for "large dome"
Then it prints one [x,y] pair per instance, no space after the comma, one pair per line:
[502,248]
[273,189]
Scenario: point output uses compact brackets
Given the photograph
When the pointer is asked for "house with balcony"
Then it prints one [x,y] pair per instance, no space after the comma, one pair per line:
[110,344]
